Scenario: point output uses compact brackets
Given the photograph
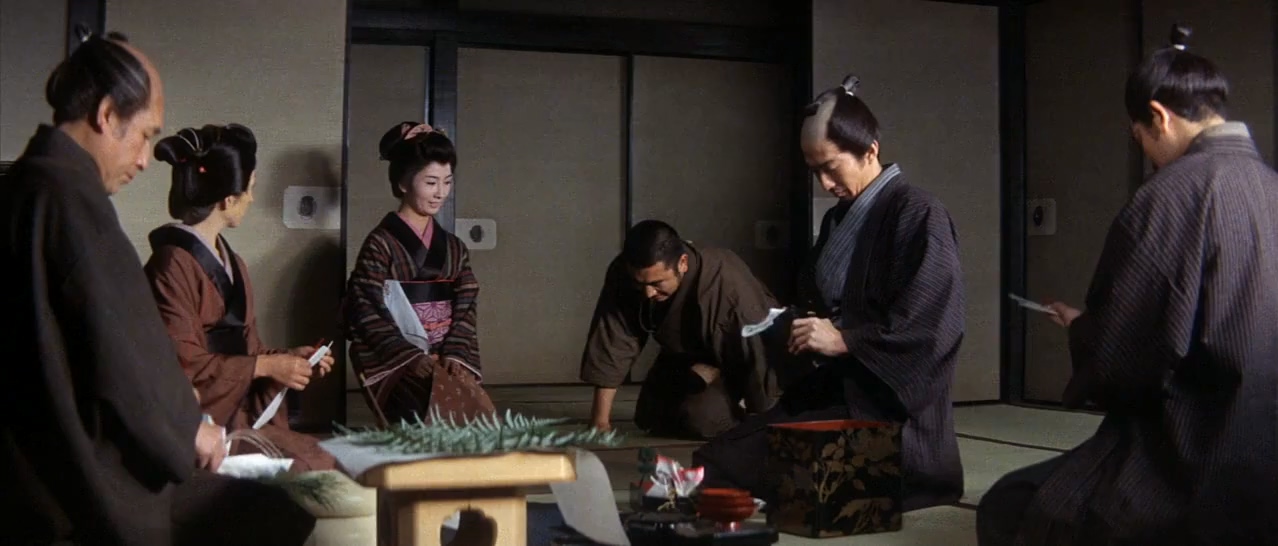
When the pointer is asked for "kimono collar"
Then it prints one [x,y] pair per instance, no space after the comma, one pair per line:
[51,142]
[836,256]
[689,280]
[1228,136]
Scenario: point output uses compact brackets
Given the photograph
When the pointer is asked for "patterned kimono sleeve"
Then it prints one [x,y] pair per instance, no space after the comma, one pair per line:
[368,322]
[462,341]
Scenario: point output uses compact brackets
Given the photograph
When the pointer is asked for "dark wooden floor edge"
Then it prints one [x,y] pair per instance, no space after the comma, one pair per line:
[1007,443]
[975,403]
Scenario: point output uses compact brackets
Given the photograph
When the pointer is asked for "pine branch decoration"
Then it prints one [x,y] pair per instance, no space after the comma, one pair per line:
[485,434]
[318,487]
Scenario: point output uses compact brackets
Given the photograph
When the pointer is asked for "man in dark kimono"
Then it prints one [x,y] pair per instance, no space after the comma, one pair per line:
[98,422]
[693,302]
[886,286]
[1178,344]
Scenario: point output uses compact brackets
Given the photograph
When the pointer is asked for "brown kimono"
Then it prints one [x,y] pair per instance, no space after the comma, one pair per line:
[1178,344]
[209,312]
[700,324]
[403,381]
[901,311]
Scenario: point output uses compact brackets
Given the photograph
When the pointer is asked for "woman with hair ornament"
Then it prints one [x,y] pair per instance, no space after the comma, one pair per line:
[410,309]
[205,297]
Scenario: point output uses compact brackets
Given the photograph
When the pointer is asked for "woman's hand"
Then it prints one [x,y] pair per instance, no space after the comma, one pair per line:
[816,335]
[289,370]
[325,364]
[1065,314]
[454,366]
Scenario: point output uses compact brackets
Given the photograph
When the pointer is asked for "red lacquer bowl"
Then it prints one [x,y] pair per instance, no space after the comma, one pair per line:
[723,493]
[726,502]
[725,506]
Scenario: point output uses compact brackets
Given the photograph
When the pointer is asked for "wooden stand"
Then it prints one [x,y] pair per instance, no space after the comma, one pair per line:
[425,493]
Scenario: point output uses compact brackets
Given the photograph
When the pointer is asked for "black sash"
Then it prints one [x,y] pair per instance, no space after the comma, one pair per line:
[428,263]
[227,336]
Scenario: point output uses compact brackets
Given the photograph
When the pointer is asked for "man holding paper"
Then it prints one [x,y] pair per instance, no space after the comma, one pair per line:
[1175,342]
[693,302]
[886,284]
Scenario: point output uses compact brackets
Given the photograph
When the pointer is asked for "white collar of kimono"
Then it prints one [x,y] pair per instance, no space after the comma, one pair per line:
[1228,128]
[217,252]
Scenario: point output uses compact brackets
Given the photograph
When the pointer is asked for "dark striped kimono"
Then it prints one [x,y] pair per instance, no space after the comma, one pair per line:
[1178,344]
[902,316]
[401,375]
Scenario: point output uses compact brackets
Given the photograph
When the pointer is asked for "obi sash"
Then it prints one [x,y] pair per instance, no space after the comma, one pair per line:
[429,293]
[227,335]
[432,301]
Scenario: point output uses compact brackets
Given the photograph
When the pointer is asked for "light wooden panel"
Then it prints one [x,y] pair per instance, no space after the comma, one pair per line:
[387,86]
[32,43]
[712,150]
[1079,149]
[540,152]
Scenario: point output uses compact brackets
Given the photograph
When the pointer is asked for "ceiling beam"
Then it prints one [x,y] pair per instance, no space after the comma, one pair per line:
[599,35]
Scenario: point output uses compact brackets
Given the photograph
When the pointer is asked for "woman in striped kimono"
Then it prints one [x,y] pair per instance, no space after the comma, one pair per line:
[409,310]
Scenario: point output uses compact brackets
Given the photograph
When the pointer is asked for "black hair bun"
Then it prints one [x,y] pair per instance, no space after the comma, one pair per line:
[178,148]
[1180,36]
[393,137]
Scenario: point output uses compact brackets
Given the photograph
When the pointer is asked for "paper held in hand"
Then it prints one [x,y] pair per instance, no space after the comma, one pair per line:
[750,330]
[279,398]
[1032,305]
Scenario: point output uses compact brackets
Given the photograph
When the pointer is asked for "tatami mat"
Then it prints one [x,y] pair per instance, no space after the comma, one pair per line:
[1045,428]
[985,462]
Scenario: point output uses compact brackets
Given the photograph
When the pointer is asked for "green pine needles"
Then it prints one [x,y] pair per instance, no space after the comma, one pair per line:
[318,487]
[486,434]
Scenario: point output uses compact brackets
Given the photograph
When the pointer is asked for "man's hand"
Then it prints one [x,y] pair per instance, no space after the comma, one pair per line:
[816,335]
[325,364]
[210,446]
[1065,314]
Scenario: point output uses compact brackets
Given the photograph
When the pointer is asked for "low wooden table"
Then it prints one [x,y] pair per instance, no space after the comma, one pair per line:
[425,493]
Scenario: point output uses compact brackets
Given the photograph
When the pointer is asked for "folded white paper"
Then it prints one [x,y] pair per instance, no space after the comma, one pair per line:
[750,330]
[1032,305]
[588,504]
[279,398]
[253,466]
